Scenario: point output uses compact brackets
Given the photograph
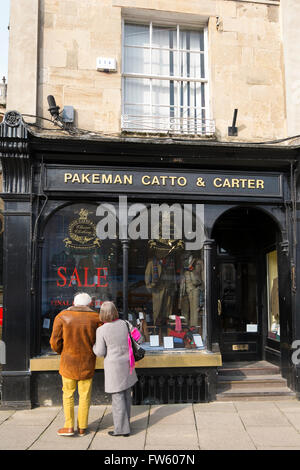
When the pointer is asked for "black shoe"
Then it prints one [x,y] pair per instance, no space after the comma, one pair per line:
[111,433]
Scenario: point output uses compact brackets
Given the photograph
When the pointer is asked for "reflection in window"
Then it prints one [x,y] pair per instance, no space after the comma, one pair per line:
[166,295]
[273,297]
[166,283]
[75,260]
[237,302]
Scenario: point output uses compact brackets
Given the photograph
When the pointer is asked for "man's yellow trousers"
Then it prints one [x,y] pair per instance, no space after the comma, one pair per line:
[84,392]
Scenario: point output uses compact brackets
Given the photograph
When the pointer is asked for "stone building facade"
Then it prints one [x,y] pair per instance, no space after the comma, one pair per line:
[192,104]
[61,42]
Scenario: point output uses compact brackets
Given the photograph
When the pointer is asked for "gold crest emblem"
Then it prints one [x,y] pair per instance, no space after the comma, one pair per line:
[82,233]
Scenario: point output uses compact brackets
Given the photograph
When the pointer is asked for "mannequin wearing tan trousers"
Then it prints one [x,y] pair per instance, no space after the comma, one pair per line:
[160,280]
[191,287]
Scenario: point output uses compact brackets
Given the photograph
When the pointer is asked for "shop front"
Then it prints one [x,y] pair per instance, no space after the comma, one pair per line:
[195,249]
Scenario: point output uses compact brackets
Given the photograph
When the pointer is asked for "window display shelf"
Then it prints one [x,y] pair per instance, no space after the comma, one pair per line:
[155,359]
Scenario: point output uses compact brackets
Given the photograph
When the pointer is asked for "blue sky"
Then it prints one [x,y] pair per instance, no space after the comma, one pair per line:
[4,33]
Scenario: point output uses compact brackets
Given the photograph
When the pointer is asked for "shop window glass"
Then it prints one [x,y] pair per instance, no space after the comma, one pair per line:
[75,260]
[166,275]
[237,301]
[273,297]
[166,295]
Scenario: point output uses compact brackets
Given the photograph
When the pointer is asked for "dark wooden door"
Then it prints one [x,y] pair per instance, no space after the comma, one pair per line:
[239,324]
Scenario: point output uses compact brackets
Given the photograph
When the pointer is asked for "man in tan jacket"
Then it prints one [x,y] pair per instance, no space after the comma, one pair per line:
[73,336]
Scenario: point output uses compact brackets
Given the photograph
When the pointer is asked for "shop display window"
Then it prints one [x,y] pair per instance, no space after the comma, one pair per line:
[75,260]
[273,297]
[167,294]
[165,278]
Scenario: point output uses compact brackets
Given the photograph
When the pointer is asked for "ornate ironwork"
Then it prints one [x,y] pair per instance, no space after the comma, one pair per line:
[184,387]
[169,125]
[14,154]
[12,118]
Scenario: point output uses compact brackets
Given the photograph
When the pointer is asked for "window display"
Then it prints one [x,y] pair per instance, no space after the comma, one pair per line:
[166,281]
[167,292]
[75,260]
[273,297]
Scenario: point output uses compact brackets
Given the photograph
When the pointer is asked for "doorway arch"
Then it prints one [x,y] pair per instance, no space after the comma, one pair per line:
[246,281]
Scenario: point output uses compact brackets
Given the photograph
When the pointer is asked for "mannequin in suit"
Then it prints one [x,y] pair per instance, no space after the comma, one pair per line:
[191,296]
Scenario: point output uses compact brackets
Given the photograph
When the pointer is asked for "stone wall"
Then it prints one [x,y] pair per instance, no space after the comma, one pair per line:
[245,60]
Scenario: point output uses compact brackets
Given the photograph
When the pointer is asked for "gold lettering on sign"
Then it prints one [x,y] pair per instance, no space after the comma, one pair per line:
[97,178]
[182,181]
[217,182]
[240,183]
[127,179]
[260,184]
[162,180]
[68,176]
[144,179]
[118,179]
[155,180]
[107,179]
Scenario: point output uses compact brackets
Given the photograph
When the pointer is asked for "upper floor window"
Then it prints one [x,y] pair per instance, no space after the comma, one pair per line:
[165,79]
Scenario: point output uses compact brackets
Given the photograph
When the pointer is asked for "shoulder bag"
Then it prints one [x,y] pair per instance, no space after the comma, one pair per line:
[138,351]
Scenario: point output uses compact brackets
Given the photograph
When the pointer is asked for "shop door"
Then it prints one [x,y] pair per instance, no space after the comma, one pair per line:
[237,310]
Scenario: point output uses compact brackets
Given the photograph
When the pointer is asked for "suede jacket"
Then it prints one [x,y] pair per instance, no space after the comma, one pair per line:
[73,337]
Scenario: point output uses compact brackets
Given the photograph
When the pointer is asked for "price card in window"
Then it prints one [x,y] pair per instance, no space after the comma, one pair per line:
[198,341]
[251,328]
[168,342]
[154,340]
[46,323]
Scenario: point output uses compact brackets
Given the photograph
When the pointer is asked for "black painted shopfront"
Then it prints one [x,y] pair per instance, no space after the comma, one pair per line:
[87,214]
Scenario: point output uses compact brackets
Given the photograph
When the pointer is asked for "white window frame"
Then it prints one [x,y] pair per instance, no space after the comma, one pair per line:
[179,125]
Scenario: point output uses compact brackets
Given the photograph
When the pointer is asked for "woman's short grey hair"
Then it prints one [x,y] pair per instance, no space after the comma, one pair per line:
[108,312]
[82,299]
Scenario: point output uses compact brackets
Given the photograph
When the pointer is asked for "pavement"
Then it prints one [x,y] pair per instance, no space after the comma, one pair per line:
[240,425]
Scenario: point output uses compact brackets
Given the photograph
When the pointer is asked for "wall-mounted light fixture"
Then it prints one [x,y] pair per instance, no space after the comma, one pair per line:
[53,108]
[64,119]
[233,130]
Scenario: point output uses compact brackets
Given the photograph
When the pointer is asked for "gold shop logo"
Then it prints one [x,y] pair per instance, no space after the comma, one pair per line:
[82,233]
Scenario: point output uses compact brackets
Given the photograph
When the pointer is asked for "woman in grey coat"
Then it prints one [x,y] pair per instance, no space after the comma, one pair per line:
[119,377]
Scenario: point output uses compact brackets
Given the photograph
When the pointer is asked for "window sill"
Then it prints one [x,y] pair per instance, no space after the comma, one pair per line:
[155,359]
[156,125]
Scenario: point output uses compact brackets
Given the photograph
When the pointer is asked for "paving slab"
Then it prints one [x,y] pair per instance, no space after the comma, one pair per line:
[214,406]
[254,405]
[269,417]
[274,436]
[210,420]
[292,405]
[36,416]
[18,437]
[205,426]
[224,439]
[49,440]
[293,418]
[5,414]
[174,448]
[139,416]
[102,441]
[179,435]
[171,414]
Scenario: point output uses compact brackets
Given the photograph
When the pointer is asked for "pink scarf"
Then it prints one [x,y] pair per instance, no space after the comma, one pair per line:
[178,326]
[131,356]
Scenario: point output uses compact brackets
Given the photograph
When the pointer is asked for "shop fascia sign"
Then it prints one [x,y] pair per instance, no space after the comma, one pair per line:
[121,180]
